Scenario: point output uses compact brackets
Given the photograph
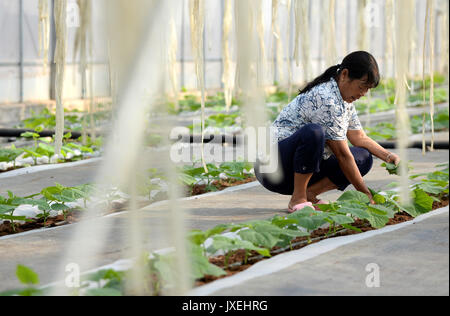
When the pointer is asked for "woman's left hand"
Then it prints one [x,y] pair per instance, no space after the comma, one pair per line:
[393,158]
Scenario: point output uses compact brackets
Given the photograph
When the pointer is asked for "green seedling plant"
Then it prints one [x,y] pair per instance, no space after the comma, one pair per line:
[33,135]
[11,154]
[191,175]
[58,195]
[9,205]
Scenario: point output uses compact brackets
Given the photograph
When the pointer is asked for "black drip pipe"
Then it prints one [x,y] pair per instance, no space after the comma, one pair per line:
[16,132]
[418,144]
[240,139]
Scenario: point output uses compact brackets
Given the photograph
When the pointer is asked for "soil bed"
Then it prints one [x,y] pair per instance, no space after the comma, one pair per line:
[76,215]
[236,262]
[219,185]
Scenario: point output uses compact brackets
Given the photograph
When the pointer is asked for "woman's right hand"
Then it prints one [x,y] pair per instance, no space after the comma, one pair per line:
[371,199]
[393,158]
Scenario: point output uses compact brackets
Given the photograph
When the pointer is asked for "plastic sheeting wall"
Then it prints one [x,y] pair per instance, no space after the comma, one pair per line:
[21,71]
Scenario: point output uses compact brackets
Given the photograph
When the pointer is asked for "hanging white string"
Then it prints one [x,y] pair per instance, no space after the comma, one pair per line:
[60,59]
[227,76]
[197,22]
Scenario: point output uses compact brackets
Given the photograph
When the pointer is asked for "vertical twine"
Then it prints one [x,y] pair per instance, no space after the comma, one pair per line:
[279,42]
[44,30]
[330,35]
[60,59]
[403,14]
[288,53]
[80,47]
[362,32]
[197,23]
[431,10]
[172,63]
[227,76]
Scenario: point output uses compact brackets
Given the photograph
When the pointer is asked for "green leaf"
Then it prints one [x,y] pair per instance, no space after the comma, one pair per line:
[379,199]
[381,210]
[228,244]
[282,221]
[355,209]
[14,218]
[341,219]
[29,135]
[6,208]
[377,220]
[51,193]
[259,238]
[59,207]
[7,155]
[187,179]
[48,148]
[422,201]
[430,187]
[164,265]
[308,218]
[26,275]
[354,196]
[200,264]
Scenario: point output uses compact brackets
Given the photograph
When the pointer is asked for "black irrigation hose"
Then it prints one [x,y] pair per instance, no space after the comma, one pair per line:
[417,144]
[240,139]
[16,132]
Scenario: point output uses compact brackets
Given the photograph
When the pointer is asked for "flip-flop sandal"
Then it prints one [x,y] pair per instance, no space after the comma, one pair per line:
[299,207]
[319,202]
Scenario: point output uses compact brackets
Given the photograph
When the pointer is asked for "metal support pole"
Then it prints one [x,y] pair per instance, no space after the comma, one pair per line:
[21,51]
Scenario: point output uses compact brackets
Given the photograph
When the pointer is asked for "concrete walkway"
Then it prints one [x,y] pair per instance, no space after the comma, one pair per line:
[43,250]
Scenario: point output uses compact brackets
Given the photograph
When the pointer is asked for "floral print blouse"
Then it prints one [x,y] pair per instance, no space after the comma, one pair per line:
[322,105]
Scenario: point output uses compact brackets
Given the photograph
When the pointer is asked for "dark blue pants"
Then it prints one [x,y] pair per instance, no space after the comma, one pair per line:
[302,153]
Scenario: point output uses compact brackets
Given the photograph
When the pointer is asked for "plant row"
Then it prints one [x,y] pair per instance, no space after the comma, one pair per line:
[43,150]
[260,236]
[388,131]
[154,187]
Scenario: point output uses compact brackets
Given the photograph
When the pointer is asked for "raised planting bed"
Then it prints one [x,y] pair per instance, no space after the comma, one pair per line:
[59,205]
[388,131]
[229,248]
[43,152]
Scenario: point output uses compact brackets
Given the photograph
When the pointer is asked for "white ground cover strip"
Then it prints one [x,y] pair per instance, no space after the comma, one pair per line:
[44,167]
[288,259]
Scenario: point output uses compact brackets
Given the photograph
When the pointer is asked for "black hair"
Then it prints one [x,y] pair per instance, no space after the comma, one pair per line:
[358,64]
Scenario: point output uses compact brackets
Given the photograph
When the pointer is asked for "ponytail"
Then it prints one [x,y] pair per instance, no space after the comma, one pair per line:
[359,64]
[326,76]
